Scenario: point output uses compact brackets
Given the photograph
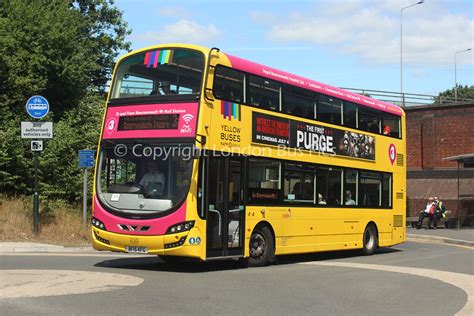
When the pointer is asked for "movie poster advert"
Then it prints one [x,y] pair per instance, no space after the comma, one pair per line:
[276,131]
[270,130]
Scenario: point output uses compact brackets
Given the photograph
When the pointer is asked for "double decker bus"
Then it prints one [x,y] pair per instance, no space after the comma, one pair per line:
[206,155]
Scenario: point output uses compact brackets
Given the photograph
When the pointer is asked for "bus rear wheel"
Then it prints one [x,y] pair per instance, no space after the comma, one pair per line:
[369,240]
[262,247]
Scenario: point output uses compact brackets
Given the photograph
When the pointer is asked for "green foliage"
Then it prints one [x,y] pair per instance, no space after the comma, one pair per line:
[79,129]
[464,92]
[63,50]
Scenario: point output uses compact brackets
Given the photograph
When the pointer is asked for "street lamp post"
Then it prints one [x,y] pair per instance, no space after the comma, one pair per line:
[401,47]
[455,72]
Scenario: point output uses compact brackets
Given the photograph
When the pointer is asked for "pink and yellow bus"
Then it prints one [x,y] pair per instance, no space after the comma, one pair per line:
[205,155]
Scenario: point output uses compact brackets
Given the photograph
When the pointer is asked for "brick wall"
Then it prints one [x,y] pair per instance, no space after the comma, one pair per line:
[436,132]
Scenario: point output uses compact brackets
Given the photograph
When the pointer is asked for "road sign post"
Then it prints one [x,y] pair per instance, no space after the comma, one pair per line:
[37,107]
[36,197]
[86,160]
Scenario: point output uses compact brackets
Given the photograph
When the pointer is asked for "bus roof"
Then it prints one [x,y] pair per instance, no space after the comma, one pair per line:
[309,84]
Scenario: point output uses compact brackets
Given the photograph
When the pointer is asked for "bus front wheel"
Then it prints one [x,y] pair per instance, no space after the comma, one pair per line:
[262,247]
[370,240]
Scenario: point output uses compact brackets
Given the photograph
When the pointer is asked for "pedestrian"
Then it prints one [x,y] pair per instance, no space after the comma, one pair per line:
[439,212]
[425,213]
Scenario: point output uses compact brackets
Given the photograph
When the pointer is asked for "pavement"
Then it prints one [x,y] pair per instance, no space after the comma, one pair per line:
[461,237]
[33,247]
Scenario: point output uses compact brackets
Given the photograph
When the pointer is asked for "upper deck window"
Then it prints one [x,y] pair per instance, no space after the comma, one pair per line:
[369,120]
[263,93]
[391,125]
[229,84]
[159,72]
[329,109]
[299,102]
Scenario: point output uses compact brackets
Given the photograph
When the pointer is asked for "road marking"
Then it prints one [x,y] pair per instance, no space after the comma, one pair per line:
[463,281]
[426,241]
[68,254]
[37,283]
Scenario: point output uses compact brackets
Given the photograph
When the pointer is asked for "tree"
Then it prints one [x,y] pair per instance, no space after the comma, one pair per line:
[59,49]
[464,92]
[63,50]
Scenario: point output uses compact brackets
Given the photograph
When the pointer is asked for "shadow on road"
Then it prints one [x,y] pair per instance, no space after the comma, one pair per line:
[152,263]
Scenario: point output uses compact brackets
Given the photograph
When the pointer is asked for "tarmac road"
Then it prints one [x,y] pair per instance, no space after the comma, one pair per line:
[409,279]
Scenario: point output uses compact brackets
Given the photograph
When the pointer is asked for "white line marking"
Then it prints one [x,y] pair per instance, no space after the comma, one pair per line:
[37,283]
[463,281]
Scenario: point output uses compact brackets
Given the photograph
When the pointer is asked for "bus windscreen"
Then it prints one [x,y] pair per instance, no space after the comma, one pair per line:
[159,72]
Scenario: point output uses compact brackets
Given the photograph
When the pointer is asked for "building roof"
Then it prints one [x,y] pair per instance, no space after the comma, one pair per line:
[461,158]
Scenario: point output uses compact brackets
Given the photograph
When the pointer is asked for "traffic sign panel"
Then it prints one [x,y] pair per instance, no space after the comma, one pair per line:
[36,145]
[86,158]
[36,129]
[37,106]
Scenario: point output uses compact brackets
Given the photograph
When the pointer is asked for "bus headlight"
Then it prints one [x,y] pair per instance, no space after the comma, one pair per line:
[180,227]
[96,223]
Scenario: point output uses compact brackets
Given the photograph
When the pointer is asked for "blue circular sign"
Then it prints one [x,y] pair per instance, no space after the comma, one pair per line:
[37,106]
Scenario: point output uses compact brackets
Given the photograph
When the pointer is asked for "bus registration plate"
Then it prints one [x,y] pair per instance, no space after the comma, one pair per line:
[136,249]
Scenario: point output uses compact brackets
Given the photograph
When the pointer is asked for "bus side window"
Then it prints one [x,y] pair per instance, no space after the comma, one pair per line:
[228,84]
[369,120]
[329,185]
[299,102]
[391,125]
[264,93]
[350,114]
[329,109]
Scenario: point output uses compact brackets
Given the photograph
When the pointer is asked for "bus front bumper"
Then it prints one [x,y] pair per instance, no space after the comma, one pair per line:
[180,244]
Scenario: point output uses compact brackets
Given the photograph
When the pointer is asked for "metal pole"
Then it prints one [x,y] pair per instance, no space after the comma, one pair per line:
[455,80]
[459,209]
[455,72]
[84,201]
[36,198]
[401,57]
[401,48]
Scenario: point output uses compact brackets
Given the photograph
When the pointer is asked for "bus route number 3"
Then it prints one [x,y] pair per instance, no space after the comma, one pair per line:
[392,153]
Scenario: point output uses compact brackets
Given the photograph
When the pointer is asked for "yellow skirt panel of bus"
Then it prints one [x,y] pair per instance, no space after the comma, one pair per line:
[181,244]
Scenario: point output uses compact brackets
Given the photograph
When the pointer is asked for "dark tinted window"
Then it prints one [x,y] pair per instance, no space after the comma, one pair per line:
[350,114]
[370,189]
[391,125]
[299,102]
[229,84]
[329,186]
[329,110]
[263,93]
[299,184]
[369,120]
[387,190]
[350,187]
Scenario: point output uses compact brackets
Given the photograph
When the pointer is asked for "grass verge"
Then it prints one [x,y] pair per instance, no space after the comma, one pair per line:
[60,223]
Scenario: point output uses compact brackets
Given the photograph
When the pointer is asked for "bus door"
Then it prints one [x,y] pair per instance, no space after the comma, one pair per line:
[225,206]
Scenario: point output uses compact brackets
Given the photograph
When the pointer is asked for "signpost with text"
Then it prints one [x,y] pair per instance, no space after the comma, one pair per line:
[86,160]
[37,107]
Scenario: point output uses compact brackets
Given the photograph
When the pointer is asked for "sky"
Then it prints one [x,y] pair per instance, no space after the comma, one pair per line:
[343,43]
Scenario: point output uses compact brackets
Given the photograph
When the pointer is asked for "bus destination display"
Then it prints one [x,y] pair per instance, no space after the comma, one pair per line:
[148,122]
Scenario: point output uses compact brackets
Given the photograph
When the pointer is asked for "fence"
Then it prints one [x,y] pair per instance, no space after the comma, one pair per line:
[408,99]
